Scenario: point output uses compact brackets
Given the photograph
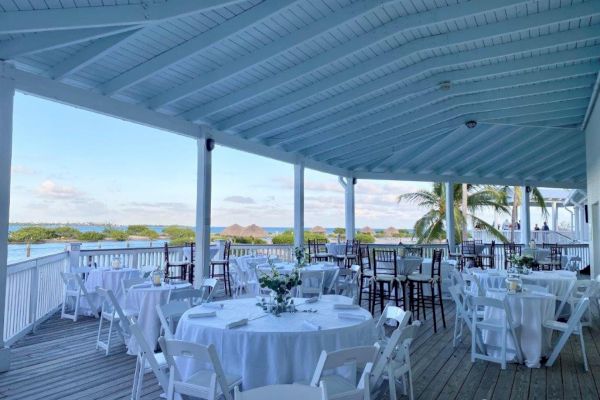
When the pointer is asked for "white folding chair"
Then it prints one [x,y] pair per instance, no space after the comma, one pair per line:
[579,289]
[572,327]
[503,325]
[287,392]
[456,278]
[472,285]
[312,283]
[207,384]
[391,312]
[75,289]
[393,362]
[348,283]
[126,284]
[209,288]
[113,313]
[169,314]
[339,387]
[191,297]
[147,361]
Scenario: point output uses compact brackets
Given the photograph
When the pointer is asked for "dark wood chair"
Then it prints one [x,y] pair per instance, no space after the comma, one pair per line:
[350,255]
[418,296]
[385,276]
[366,274]
[468,253]
[554,261]
[317,250]
[223,265]
[191,264]
[451,254]
[488,260]
[175,271]
[510,250]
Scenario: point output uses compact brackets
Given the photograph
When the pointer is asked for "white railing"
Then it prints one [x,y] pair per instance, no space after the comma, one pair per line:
[131,257]
[282,251]
[540,237]
[34,291]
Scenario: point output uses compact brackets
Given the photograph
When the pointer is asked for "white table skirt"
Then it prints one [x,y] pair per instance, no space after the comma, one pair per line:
[337,249]
[274,350]
[109,279]
[530,310]
[145,300]
[558,283]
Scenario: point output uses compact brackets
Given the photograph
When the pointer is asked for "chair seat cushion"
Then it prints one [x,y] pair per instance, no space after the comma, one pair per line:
[421,278]
[385,278]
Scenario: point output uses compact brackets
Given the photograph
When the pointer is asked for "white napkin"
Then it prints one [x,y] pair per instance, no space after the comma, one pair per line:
[346,306]
[141,286]
[358,317]
[216,306]
[311,300]
[235,324]
[311,326]
[203,314]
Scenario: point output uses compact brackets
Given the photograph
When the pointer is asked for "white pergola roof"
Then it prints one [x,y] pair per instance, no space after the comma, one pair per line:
[370,89]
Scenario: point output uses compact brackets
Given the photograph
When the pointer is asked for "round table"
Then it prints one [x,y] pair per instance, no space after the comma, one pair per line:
[558,283]
[530,309]
[109,279]
[331,271]
[274,350]
[144,300]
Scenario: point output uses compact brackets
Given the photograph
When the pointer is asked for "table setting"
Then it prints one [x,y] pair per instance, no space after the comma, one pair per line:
[331,270]
[265,347]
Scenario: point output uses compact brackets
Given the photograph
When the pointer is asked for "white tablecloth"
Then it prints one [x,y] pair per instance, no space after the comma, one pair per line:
[144,301]
[446,272]
[109,279]
[558,283]
[530,310]
[330,269]
[274,350]
[337,249]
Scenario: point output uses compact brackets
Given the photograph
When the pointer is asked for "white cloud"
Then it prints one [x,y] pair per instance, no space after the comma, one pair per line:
[240,199]
[22,170]
[51,189]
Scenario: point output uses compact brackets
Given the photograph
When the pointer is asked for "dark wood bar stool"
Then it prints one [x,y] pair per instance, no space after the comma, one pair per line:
[366,275]
[224,264]
[416,284]
[488,260]
[385,276]
[468,253]
[175,270]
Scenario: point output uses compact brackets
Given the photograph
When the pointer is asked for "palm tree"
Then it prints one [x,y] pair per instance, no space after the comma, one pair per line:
[431,226]
[516,193]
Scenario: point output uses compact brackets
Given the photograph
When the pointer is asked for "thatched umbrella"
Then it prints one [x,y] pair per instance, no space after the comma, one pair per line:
[390,232]
[367,230]
[318,229]
[233,230]
[254,231]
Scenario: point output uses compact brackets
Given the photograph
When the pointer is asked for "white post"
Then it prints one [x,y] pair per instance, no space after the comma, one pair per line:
[576,220]
[554,216]
[7,92]
[450,216]
[525,215]
[203,197]
[583,226]
[74,250]
[349,207]
[299,205]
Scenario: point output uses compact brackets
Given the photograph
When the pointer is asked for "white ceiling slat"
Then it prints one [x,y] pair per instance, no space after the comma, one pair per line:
[348,148]
[102,16]
[500,28]
[534,118]
[317,28]
[194,46]
[34,43]
[577,166]
[475,111]
[463,94]
[417,70]
[377,35]
[292,135]
[88,55]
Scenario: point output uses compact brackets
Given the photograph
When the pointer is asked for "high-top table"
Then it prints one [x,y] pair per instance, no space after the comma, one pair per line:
[274,350]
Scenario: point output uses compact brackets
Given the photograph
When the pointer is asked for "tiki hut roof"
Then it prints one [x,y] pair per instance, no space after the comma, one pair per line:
[233,230]
[367,229]
[318,229]
[390,232]
[254,231]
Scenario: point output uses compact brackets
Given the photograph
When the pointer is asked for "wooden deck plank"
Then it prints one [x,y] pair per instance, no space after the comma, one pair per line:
[60,361]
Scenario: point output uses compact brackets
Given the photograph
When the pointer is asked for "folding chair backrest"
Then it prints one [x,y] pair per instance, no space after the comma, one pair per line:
[167,314]
[187,295]
[208,287]
[480,301]
[148,353]
[287,392]
[458,296]
[203,355]
[583,288]
[357,357]
[473,281]
[308,277]
[71,280]
[128,283]
[395,313]
[110,298]
[401,337]
[456,277]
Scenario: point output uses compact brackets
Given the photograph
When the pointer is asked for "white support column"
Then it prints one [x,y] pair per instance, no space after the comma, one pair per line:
[577,220]
[554,216]
[203,207]
[7,92]
[348,184]
[299,205]
[450,215]
[583,226]
[525,215]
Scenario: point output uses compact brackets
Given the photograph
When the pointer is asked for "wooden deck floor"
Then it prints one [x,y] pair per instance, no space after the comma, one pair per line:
[60,362]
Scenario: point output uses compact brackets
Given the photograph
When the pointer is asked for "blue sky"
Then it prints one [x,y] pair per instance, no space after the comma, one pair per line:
[71,165]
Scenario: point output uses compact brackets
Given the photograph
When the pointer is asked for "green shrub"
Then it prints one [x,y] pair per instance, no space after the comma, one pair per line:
[31,234]
[364,238]
[142,230]
[91,236]
[66,232]
[116,234]
[286,237]
[179,235]
[340,231]
[313,236]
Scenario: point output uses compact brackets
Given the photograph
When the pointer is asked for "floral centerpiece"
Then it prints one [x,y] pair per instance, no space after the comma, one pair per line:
[281,286]
[522,264]
[300,255]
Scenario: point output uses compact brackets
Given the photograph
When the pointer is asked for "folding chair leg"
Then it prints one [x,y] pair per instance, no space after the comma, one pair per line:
[584,355]
[561,343]
[392,383]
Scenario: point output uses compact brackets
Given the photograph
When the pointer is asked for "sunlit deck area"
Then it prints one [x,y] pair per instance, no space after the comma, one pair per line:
[60,362]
